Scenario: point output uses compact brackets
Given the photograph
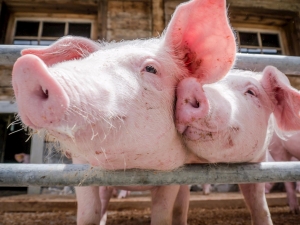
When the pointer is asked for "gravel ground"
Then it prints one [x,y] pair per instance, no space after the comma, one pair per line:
[280,216]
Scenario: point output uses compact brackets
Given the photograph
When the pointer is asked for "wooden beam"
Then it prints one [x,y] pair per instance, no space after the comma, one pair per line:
[158,22]
[102,19]
[99,20]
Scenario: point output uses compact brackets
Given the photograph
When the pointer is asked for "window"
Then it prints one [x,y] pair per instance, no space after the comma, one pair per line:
[43,32]
[259,42]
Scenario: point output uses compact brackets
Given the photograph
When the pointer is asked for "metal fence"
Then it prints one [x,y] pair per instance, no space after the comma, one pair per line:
[286,64]
[85,175]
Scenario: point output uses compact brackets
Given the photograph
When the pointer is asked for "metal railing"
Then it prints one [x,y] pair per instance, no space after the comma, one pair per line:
[287,64]
[85,175]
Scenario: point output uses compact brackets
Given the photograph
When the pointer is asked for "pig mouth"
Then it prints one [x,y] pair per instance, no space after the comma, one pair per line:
[28,123]
[195,134]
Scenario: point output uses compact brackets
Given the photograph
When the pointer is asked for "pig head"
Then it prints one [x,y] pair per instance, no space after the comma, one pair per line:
[111,104]
[227,121]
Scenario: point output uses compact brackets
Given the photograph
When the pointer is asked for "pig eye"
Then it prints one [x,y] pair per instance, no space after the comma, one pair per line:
[150,69]
[250,92]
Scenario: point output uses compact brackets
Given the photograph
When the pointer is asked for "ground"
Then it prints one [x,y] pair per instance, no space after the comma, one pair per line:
[280,216]
[213,209]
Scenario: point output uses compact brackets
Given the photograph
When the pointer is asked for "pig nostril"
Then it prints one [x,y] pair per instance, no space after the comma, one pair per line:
[195,104]
[45,93]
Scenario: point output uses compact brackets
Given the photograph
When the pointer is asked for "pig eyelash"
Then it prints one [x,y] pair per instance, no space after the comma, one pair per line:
[151,69]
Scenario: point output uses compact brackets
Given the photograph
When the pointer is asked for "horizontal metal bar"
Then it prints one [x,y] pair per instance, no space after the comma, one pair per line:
[85,175]
[8,107]
[10,53]
[289,65]
[254,62]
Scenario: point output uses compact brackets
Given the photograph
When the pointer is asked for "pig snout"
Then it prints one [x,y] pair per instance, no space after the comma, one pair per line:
[41,100]
[200,110]
[191,103]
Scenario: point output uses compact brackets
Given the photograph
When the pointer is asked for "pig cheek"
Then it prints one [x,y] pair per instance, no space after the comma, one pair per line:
[152,80]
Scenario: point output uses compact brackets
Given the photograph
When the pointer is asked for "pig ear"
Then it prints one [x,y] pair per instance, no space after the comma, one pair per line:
[285,98]
[66,48]
[200,34]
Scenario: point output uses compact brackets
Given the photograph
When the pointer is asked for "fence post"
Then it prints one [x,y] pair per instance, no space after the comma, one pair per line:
[36,157]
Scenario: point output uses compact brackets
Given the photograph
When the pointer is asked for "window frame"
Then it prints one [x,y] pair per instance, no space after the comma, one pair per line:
[43,17]
[262,29]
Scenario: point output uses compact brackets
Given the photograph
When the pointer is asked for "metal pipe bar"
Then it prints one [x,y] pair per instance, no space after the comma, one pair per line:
[85,175]
[10,53]
[255,62]
[289,65]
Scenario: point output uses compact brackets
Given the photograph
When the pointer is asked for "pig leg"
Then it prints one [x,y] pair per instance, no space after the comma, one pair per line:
[181,206]
[298,186]
[298,182]
[105,196]
[285,156]
[206,189]
[88,203]
[292,197]
[163,199]
[254,195]
[123,194]
[268,187]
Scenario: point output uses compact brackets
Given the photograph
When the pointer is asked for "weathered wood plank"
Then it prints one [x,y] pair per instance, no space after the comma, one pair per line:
[158,22]
[169,8]
[5,76]
[6,93]
[128,20]
[125,34]
[102,19]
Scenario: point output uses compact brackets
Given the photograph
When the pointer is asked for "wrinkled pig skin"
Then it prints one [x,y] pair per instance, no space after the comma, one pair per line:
[286,147]
[112,104]
[228,121]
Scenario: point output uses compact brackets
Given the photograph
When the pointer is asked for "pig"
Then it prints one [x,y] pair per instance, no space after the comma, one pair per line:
[228,121]
[285,147]
[180,208]
[111,105]
[206,189]
[22,158]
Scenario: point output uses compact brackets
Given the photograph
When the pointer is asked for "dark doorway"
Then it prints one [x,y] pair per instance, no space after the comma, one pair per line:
[13,140]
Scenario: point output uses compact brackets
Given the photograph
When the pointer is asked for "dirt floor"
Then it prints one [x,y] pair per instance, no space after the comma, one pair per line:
[213,209]
[280,216]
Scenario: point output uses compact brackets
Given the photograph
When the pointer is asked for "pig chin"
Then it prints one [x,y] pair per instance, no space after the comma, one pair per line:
[222,146]
[194,134]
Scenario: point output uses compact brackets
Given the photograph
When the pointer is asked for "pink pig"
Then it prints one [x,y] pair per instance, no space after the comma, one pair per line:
[111,104]
[228,121]
[22,158]
[286,147]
